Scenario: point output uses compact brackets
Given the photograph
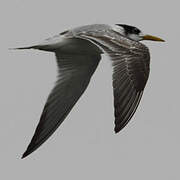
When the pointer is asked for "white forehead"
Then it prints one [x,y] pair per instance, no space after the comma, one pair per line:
[118,29]
[134,37]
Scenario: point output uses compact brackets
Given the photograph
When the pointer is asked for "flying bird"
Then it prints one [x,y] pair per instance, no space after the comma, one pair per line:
[78,52]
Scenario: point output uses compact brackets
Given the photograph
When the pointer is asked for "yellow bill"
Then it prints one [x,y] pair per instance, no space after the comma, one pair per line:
[152,38]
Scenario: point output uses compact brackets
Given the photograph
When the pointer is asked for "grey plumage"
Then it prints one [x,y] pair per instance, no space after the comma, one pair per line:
[78,52]
[75,71]
[130,61]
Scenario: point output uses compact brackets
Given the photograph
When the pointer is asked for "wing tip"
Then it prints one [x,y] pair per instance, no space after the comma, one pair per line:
[118,127]
[30,149]
[116,130]
[25,154]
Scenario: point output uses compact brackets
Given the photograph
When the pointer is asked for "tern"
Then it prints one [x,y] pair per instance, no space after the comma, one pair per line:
[78,52]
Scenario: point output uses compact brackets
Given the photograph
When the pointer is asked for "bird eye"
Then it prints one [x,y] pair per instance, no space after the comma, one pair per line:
[136,31]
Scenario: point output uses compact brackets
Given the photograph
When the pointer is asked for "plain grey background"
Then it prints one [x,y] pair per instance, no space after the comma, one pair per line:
[85,146]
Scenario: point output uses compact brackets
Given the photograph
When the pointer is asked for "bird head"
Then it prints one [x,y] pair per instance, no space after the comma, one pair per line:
[134,33]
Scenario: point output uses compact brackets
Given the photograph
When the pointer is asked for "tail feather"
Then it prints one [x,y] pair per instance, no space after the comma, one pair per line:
[21,48]
[39,47]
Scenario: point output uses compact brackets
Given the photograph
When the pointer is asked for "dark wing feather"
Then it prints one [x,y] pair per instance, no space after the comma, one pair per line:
[130,75]
[75,72]
[130,61]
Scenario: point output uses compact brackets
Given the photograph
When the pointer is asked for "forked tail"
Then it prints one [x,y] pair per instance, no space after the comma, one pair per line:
[28,47]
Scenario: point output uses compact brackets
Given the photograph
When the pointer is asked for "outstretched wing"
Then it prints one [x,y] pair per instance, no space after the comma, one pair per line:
[130,61]
[130,74]
[75,71]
